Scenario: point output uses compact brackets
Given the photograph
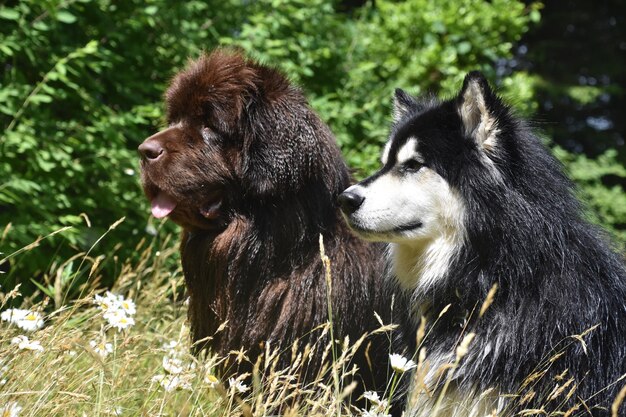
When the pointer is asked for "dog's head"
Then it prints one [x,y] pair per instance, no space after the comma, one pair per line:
[238,134]
[434,149]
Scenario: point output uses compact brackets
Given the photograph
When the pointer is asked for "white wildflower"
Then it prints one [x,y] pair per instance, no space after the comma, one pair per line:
[111,301]
[401,364]
[118,311]
[119,319]
[23,343]
[211,380]
[103,349]
[31,321]
[24,319]
[12,315]
[129,171]
[172,345]
[107,303]
[172,382]
[173,365]
[127,306]
[372,396]
[11,409]
[238,385]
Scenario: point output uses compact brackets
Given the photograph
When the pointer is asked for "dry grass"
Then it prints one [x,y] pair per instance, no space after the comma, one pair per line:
[149,371]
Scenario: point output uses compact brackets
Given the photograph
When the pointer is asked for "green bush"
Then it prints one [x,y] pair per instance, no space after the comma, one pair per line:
[82,84]
[350,65]
[598,183]
[81,87]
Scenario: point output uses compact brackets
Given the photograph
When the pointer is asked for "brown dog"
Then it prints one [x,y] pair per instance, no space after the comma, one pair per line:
[251,174]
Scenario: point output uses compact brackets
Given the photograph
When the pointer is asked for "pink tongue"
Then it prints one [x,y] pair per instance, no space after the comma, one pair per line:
[162,205]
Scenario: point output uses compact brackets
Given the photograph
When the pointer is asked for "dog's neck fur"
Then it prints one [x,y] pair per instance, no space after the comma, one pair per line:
[420,265]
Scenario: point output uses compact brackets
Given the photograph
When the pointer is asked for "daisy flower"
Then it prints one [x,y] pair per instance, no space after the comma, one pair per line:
[24,319]
[172,345]
[30,322]
[401,364]
[119,320]
[238,385]
[173,365]
[211,380]
[107,303]
[127,306]
[10,410]
[23,343]
[12,315]
[103,349]
[171,382]
[372,397]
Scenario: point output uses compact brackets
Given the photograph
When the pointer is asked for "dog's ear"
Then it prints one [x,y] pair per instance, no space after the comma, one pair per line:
[403,104]
[478,108]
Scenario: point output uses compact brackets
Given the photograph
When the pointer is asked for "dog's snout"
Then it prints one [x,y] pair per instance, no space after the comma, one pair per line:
[350,201]
[151,149]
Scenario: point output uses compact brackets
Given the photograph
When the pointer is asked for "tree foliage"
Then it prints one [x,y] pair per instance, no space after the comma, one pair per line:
[82,84]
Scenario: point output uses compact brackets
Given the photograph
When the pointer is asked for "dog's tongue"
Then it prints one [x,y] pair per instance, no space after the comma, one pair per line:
[162,205]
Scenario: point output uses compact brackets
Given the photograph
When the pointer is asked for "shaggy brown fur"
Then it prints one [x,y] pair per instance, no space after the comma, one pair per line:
[254,175]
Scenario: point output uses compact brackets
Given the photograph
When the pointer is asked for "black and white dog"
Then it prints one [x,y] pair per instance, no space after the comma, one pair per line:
[469,198]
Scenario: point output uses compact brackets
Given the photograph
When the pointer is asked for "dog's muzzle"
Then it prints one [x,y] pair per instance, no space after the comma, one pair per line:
[350,201]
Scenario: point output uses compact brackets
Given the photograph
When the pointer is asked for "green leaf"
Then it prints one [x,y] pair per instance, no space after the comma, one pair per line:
[49,291]
[6,50]
[40,98]
[9,14]
[463,47]
[66,17]
[535,16]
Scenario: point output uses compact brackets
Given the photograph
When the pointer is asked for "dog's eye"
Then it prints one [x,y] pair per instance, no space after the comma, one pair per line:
[412,165]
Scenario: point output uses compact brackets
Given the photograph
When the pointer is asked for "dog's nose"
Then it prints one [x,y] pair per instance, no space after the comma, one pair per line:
[151,149]
[350,201]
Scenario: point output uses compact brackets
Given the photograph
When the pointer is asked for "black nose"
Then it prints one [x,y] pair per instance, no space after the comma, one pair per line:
[151,149]
[350,201]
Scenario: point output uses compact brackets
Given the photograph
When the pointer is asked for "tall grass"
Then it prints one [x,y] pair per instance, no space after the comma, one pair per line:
[88,368]
[85,367]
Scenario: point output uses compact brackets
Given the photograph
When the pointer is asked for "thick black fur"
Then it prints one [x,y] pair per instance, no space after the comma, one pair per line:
[557,275]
